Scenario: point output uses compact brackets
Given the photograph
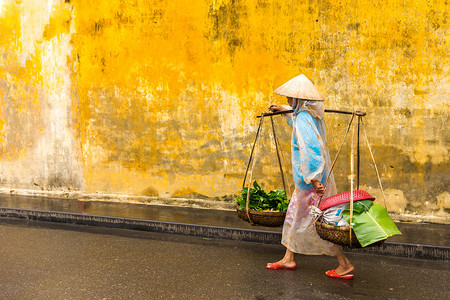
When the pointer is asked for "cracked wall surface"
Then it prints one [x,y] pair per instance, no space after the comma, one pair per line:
[159,98]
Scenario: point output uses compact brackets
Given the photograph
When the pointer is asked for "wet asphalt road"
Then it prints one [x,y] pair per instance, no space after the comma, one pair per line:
[55,261]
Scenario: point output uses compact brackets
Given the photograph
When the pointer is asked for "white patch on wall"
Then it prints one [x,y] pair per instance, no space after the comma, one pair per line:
[52,163]
[34,16]
[229,113]
[395,199]
[2,5]
[443,201]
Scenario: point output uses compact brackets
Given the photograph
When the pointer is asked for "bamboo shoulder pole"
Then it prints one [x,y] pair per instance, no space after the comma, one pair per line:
[358,113]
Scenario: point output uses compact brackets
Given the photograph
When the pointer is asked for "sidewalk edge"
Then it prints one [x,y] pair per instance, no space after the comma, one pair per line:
[415,251]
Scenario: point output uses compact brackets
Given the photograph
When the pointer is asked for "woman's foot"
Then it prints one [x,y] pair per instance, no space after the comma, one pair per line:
[344,269]
[341,272]
[282,264]
[287,262]
[345,266]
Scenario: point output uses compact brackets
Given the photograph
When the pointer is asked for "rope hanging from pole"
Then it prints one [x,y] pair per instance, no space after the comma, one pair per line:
[337,155]
[252,161]
[375,165]
[278,154]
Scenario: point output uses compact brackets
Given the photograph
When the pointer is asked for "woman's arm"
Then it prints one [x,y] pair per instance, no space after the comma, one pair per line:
[287,117]
[311,150]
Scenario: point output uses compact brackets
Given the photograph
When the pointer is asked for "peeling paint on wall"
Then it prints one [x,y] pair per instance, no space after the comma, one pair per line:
[159,97]
[37,141]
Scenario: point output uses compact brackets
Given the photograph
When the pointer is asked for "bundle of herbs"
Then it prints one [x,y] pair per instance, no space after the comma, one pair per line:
[259,200]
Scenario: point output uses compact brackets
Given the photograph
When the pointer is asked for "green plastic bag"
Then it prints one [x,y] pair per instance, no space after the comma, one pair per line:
[371,222]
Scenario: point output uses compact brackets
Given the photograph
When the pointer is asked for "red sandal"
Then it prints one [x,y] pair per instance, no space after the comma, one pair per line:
[333,274]
[278,266]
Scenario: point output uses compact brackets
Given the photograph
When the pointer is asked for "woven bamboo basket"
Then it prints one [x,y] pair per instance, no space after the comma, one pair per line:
[271,219]
[265,218]
[339,235]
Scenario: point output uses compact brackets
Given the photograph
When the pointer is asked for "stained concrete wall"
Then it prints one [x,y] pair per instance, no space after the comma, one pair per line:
[159,98]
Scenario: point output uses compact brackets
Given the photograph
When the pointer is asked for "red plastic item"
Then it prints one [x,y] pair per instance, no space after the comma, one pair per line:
[344,197]
[333,274]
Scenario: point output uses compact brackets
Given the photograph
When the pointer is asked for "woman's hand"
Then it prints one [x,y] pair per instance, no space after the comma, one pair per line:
[318,187]
[275,108]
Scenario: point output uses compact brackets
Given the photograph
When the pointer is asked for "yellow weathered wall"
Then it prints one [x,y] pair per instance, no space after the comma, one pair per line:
[159,98]
[38,144]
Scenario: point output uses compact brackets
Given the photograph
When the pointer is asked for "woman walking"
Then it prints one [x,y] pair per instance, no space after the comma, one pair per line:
[310,167]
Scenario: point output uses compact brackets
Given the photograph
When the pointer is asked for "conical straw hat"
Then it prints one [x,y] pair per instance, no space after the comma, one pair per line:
[300,87]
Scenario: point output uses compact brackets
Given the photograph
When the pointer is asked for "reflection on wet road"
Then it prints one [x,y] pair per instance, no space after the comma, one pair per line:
[60,261]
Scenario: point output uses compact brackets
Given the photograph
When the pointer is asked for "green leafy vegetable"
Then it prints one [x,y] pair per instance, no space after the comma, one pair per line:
[259,200]
[371,222]
[361,206]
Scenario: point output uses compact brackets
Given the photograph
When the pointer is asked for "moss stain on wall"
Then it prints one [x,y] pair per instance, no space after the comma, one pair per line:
[160,97]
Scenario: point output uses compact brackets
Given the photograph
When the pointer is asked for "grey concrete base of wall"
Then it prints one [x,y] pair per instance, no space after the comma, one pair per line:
[185,202]
[405,250]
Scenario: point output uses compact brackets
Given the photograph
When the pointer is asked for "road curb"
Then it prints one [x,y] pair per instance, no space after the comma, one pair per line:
[416,251]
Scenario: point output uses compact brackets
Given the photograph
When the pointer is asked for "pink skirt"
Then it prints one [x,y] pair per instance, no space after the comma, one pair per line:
[299,233]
